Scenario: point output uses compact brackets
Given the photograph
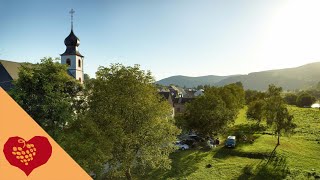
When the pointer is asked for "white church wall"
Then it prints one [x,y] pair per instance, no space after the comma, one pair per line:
[74,69]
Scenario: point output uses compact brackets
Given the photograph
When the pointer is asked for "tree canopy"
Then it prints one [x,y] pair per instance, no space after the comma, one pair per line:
[211,113]
[131,120]
[291,99]
[47,93]
[253,95]
[256,110]
[305,100]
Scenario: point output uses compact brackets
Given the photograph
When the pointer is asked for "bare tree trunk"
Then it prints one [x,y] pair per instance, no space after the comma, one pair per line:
[128,174]
[278,139]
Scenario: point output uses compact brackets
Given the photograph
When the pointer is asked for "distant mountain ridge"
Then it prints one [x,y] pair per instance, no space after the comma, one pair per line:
[289,79]
[191,81]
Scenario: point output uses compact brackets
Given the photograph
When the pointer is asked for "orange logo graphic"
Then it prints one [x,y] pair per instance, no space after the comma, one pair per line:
[34,155]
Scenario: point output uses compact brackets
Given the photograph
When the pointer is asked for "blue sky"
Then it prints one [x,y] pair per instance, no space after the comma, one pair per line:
[167,37]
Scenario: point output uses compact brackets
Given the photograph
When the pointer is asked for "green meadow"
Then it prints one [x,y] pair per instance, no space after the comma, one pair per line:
[256,155]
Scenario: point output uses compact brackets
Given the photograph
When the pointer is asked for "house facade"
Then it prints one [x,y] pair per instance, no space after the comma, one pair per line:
[179,104]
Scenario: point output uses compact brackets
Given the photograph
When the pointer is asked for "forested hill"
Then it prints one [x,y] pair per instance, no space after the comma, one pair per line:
[290,79]
[191,81]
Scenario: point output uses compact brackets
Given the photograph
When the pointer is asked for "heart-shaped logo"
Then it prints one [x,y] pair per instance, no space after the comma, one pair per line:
[27,155]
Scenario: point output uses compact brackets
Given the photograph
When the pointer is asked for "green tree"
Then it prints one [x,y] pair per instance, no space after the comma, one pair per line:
[206,115]
[135,124]
[48,94]
[291,98]
[253,95]
[277,114]
[199,87]
[212,112]
[206,86]
[272,108]
[233,95]
[86,77]
[305,100]
[256,110]
[87,144]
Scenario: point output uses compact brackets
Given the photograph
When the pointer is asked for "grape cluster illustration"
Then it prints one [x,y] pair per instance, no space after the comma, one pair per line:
[25,153]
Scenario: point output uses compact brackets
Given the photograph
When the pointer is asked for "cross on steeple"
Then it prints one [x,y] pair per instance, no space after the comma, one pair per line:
[71,55]
[72,12]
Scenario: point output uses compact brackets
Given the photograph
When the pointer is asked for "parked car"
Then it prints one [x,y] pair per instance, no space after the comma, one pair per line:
[231,141]
[196,138]
[182,145]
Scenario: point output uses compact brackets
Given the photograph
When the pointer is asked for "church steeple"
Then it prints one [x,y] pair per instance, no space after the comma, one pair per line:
[72,56]
[72,41]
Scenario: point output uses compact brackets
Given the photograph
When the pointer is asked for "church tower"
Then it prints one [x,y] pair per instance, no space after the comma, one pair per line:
[72,56]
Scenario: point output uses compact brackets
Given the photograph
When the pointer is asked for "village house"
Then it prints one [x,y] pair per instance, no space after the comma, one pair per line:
[199,92]
[179,104]
[190,93]
[178,99]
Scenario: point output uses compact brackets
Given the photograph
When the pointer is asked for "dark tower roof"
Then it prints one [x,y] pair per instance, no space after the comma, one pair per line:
[72,42]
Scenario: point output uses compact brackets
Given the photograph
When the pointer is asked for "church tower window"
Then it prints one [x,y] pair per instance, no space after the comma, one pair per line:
[79,63]
[68,62]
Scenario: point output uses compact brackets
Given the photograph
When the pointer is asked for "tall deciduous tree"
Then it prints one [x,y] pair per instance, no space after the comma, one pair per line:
[126,110]
[277,114]
[274,110]
[212,112]
[47,93]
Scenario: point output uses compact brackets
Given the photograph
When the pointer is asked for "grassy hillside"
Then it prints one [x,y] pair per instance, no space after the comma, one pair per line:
[298,156]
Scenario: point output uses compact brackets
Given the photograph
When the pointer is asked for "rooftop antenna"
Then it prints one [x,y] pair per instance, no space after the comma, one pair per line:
[72,12]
